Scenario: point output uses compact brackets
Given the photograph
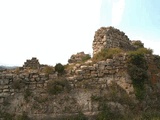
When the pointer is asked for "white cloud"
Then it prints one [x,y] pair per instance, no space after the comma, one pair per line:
[118,7]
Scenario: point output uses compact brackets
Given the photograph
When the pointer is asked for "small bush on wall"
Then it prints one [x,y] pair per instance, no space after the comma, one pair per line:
[137,69]
[107,54]
[59,68]
[48,70]
[58,86]
[86,57]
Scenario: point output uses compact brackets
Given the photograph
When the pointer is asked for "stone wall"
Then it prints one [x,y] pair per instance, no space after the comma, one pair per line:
[86,80]
[109,37]
[25,89]
[33,63]
[83,79]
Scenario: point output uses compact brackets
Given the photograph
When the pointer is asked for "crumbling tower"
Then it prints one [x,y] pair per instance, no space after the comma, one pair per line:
[110,37]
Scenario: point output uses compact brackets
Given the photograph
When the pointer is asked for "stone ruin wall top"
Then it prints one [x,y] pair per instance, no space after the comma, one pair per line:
[110,37]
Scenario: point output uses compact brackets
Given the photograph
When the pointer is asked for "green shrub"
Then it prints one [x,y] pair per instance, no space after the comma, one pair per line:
[59,68]
[137,69]
[86,57]
[58,86]
[48,70]
[145,50]
[107,54]
[138,44]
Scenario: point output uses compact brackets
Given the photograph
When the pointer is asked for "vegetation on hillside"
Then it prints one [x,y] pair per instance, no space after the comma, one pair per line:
[107,54]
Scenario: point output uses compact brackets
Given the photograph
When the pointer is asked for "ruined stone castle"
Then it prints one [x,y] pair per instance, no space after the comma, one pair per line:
[86,79]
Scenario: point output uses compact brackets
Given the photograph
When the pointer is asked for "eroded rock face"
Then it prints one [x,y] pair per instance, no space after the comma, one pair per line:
[110,37]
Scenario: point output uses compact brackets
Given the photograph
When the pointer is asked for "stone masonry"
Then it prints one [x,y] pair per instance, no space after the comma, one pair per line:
[76,58]
[110,37]
[82,76]
[33,63]
[86,79]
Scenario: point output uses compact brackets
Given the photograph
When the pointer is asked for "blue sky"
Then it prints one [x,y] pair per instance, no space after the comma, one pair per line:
[54,30]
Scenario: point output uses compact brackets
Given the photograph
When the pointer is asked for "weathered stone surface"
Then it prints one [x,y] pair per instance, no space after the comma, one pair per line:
[32,86]
[1,100]
[9,76]
[5,90]
[40,85]
[77,58]
[79,72]
[33,63]
[28,88]
[109,37]
[4,81]
[84,67]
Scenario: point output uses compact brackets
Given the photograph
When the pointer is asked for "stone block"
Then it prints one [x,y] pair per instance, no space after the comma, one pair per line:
[12,90]
[9,76]
[4,82]
[32,86]
[109,61]
[37,79]
[102,63]
[101,67]
[79,78]
[84,67]
[5,86]
[108,67]
[5,90]
[79,72]
[1,95]
[53,76]
[71,78]
[35,76]
[1,100]
[100,74]
[91,68]
[40,85]
[6,94]
[42,75]
[32,79]
[94,75]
